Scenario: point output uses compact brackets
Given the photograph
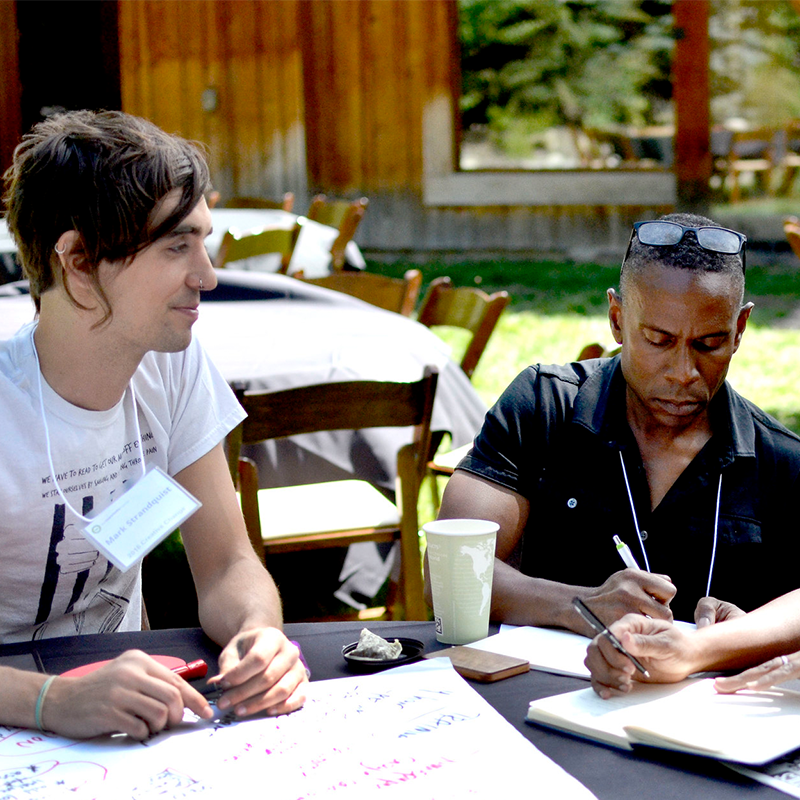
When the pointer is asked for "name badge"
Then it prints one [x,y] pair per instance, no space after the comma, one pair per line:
[135,523]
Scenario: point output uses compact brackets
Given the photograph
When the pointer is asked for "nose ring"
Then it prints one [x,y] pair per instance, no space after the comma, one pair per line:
[201,284]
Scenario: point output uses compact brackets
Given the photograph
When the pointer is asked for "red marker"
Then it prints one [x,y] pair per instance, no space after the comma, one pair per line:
[193,670]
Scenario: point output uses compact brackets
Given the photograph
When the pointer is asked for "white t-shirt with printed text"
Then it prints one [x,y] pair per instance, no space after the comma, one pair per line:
[52,581]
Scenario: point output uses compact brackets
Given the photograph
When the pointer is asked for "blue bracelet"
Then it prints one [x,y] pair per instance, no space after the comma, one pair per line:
[40,701]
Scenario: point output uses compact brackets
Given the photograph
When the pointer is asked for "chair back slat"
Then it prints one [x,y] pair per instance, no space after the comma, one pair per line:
[467,308]
[344,215]
[286,203]
[392,294]
[251,244]
[345,405]
[791,228]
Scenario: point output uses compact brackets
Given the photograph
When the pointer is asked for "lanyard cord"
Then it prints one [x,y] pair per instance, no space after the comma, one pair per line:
[639,535]
[633,511]
[47,434]
[714,546]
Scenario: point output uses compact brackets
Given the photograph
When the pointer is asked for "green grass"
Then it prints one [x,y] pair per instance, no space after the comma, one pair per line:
[759,207]
[558,307]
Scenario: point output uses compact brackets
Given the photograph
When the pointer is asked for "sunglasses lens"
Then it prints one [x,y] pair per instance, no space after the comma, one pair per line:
[659,233]
[718,240]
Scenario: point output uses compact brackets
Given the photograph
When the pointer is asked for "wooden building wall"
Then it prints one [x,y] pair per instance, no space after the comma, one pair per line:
[10,91]
[228,74]
[370,68]
[334,89]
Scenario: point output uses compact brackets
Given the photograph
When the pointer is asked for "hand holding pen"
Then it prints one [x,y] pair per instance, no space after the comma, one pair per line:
[667,651]
[601,629]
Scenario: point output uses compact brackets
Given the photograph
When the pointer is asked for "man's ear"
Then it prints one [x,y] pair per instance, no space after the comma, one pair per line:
[71,256]
[741,324]
[615,314]
[69,250]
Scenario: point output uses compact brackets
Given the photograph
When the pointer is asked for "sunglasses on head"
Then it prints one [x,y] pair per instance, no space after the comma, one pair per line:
[662,233]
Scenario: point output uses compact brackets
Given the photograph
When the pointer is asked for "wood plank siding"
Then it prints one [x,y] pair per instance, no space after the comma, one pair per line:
[11,91]
[370,66]
[228,74]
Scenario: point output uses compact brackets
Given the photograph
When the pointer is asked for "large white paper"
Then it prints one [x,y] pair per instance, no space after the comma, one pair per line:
[416,733]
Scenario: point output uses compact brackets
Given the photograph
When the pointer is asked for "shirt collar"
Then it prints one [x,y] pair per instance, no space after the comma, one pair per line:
[600,408]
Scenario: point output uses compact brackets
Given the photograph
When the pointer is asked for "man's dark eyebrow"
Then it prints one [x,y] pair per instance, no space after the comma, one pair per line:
[183,230]
[720,335]
[714,335]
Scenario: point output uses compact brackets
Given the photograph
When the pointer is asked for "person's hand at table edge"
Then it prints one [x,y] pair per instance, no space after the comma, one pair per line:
[666,651]
[770,673]
[132,694]
[261,670]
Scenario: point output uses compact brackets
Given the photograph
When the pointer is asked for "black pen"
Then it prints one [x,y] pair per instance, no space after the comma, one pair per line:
[598,626]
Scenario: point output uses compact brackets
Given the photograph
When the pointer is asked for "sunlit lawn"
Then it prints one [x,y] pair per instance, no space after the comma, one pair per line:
[557,308]
[765,370]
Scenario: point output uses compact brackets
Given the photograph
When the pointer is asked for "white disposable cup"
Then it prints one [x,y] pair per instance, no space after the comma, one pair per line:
[461,563]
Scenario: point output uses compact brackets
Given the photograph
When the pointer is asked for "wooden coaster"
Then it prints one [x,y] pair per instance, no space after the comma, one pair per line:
[480,665]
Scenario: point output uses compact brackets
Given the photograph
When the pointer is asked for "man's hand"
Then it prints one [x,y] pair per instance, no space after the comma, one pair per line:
[132,694]
[631,591]
[710,611]
[260,670]
[664,650]
[776,670]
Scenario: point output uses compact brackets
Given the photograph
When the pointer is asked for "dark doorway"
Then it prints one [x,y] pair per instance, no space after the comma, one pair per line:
[68,56]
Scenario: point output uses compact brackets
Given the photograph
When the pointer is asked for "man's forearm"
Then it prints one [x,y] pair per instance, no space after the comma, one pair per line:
[243,598]
[519,599]
[526,600]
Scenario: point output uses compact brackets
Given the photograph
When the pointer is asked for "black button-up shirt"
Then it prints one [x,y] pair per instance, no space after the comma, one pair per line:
[555,437]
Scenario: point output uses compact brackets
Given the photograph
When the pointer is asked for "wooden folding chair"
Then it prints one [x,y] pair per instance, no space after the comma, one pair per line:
[286,203]
[344,215]
[751,151]
[474,311]
[343,512]
[393,294]
[251,244]
[467,308]
[596,350]
[790,162]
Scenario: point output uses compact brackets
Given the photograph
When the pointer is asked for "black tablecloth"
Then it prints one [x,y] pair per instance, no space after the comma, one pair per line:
[611,774]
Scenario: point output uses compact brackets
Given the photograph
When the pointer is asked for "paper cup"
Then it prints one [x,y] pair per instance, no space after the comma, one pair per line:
[461,563]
